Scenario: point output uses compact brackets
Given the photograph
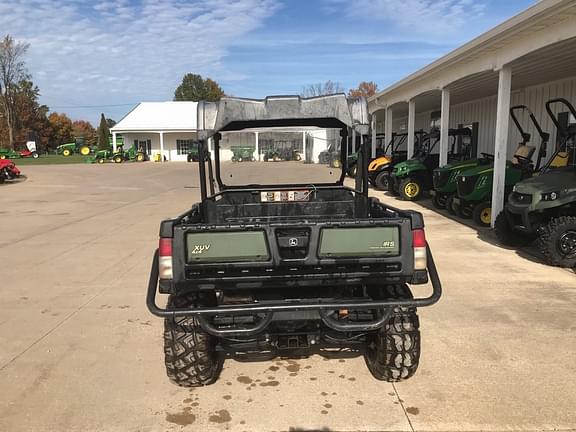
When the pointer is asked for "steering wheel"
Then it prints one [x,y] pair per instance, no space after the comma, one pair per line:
[523,160]
[488,156]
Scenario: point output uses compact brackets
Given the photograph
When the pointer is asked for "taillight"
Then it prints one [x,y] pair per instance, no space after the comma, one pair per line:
[165,258]
[419,245]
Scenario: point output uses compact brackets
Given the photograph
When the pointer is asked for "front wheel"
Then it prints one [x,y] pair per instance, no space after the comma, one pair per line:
[393,353]
[506,234]
[66,152]
[189,352]
[118,159]
[557,241]
[382,181]
[482,213]
[101,160]
[84,150]
[35,155]
[410,189]
[352,170]
[439,201]
[140,157]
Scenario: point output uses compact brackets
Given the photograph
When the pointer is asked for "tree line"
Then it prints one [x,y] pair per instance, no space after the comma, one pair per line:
[22,117]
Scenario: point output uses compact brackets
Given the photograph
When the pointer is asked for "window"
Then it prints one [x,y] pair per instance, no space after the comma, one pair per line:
[184,146]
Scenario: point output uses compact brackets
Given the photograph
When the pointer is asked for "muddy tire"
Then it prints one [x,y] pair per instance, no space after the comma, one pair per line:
[189,353]
[557,241]
[451,206]
[482,214]
[506,234]
[352,170]
[393,353]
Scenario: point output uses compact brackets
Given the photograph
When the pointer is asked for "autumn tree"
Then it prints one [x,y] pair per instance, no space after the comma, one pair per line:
[84,129]
[195,88]
[31,120]
[364,89]
[62,129]
[103,134]
[12,72]
[322,89]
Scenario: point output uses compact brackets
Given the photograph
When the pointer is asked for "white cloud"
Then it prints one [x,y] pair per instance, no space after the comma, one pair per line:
[415,16]
[86,53]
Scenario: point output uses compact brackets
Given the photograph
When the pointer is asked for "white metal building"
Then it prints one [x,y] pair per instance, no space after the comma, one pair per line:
[528,59]
[170,129]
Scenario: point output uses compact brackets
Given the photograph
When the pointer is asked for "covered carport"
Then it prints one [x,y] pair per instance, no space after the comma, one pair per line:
[528,59]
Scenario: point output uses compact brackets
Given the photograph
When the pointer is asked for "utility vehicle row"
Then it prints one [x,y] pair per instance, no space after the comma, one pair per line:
[541,197]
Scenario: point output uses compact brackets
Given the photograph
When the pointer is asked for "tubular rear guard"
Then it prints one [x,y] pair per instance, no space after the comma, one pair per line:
[269,307]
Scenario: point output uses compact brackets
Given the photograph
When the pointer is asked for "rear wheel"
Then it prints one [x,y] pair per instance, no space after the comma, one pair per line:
[451,206]
[439,201]
[393,352]
[482,213]
[101,160]
[35,155]
[276,158]
[118,159]
[352,170]
[189,353]
[506,234]
[557,241]
[140,157]
[382,181]
[410,189]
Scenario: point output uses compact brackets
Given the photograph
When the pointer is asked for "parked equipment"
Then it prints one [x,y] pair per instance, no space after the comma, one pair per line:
[474,186]
[119,156]
[289,269]
[79,146]
[243,153]
[8,170]
[380,169]
[544,207]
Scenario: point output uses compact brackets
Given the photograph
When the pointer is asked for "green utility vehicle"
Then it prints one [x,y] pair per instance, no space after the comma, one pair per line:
[132,154]
[474,186]
[544,206]
[243,153]
[79,146]
[288,269]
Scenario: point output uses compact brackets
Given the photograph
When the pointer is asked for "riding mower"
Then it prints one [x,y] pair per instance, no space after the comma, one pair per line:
[544,207]
[474,186]
[8,170]
[79,146]
[242,153]
[13,154]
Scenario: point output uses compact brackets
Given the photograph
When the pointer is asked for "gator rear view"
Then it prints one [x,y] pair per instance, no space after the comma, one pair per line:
[288,268]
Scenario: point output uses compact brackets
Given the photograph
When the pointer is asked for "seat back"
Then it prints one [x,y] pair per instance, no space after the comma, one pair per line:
[523,151]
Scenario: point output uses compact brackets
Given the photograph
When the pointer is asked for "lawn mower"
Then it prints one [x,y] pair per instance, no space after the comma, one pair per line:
[119,156]
[8,170]
[474,186]
[79,146]
[13,154]
[544,207]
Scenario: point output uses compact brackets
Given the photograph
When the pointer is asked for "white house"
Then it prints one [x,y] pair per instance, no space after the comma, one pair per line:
[528,59]
[170,129]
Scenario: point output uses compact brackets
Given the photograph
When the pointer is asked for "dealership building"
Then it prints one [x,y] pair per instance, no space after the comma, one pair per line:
[527,60]
[170,129]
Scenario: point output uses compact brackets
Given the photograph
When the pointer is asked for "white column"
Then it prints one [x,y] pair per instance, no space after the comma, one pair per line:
[353,140]
[501,141]
[373,135]
[211,146]
[257,146]
[304,145]
[162,146]
[388,125]
[114,141]
[444,126]
[411,122]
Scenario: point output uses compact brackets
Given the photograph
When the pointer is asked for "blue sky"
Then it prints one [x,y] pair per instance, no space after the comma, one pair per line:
[104,56]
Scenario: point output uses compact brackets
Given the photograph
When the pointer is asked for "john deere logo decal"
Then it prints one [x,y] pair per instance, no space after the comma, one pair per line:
[200,249]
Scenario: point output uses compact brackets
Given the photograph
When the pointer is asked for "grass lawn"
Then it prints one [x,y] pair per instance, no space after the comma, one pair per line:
[51,160]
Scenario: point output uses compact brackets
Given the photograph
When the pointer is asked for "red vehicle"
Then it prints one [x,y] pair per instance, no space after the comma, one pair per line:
[8,170]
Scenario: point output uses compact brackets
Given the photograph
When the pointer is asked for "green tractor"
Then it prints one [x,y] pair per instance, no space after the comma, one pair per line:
[132,154]
[474,186]
[243,153]
[544,207]
[79,146]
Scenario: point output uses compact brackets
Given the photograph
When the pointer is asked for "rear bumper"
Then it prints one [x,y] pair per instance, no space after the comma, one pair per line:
[268,308]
